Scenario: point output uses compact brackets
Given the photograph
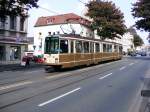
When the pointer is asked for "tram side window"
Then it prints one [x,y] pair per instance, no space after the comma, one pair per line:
[79,47]
[91,47]
[104,48]
[116,48]
[72,46]
[86,47]
[120,49]
[97,47]
[63,46]
[109,48]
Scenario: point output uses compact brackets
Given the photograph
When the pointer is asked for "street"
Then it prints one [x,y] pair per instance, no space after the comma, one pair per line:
[108,87]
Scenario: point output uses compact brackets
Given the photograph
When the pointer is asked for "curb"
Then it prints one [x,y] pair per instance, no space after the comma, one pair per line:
[18,67]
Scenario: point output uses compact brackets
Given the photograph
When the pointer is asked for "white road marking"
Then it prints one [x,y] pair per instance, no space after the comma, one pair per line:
[61,96]
[131,64]
[122,67]
[15,85]
[105,76]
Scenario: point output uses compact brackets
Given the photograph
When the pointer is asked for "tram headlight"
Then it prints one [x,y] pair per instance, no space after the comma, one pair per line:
[44,59]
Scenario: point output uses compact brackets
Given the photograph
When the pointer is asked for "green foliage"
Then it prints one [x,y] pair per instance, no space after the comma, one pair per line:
[141,10]
[137,40]
[107,19]
[16,7]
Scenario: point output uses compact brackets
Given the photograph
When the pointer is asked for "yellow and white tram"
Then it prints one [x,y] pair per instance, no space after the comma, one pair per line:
[68,50]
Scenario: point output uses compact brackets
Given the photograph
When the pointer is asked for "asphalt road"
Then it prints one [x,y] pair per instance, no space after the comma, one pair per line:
[109,87]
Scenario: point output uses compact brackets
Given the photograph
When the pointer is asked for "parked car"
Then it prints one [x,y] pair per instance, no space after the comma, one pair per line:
[143,54]
[133,54]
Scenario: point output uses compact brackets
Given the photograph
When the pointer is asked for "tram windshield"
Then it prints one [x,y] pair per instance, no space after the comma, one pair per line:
[51,45]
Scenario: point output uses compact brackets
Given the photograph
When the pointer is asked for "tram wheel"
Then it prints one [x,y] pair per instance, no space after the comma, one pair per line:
[57,68]
[48,69]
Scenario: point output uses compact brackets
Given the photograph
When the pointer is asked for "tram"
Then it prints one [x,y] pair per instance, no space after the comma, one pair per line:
[70,50]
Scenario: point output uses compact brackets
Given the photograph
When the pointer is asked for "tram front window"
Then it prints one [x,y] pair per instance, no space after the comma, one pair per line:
[51,45]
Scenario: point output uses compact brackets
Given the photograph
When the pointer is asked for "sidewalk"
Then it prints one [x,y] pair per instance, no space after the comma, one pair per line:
[142,104]
[17,66]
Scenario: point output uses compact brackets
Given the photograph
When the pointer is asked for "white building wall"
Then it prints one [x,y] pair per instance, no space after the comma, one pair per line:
[30,47]
[127,42]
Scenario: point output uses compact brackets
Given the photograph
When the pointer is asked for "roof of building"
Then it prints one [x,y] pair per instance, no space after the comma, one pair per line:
[62,19]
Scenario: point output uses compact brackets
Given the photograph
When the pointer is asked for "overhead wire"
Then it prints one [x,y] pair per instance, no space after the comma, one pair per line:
[82,2]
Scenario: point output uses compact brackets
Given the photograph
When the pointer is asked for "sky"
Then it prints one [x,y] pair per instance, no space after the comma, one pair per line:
[75,6]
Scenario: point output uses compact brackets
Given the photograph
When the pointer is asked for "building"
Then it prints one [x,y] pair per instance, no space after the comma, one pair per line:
[127,42]
[60,24]
[13,38]
[31,43]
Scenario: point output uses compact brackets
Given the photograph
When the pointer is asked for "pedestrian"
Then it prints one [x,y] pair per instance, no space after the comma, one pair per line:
[27,62]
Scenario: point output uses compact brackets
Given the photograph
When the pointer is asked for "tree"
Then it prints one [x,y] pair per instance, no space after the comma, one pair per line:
[16,7]
[137,40]
[141,10]
[107,19]
[132,30]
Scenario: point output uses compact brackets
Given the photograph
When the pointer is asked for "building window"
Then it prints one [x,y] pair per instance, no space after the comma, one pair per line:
[97,47]
[2,32]
[2,23]
[13,22]
[63,46]
[86,47]
[2,53]
[79,47]
[15,52]
[22,20]
[50,20]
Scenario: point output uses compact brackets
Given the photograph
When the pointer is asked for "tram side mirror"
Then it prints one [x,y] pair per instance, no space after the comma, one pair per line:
[145,93]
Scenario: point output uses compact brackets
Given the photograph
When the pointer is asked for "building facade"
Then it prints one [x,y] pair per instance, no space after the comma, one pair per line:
[13,38]
[60,24]
[31,43]
[127,42]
